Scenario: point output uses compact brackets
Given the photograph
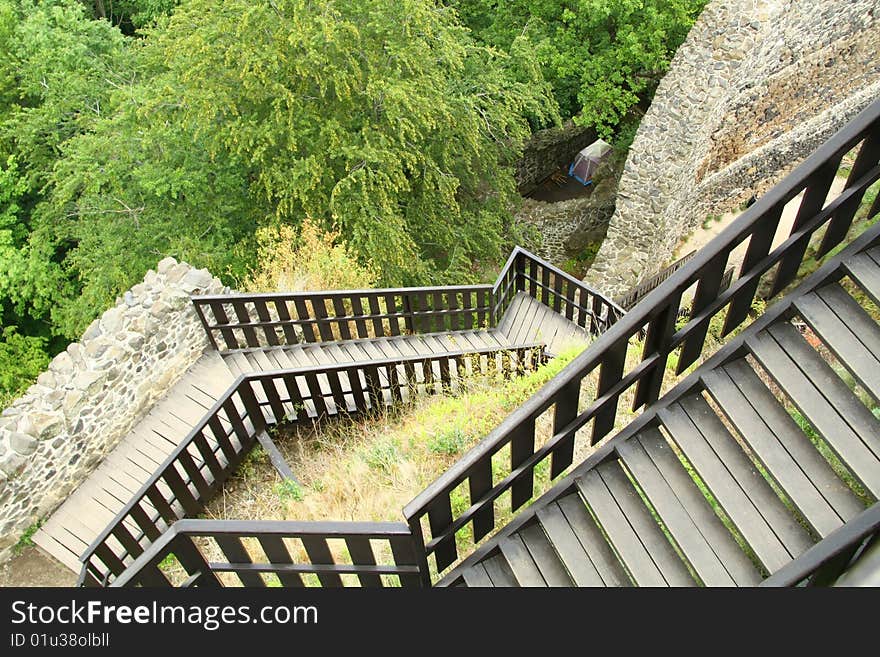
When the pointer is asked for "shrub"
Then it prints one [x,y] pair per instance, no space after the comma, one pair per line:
[313,260]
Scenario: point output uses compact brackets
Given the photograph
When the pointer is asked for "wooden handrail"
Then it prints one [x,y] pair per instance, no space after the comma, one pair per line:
[658,311]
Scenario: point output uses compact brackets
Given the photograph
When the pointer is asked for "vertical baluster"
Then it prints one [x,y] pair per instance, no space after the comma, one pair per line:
[357,389]
[294,397]
[278,555]
[813,201]
[304,316]
[262,309]
[223,319]
[610,372]
[440,520]
[236,554]
[482,314]
[208,455]
[325,327]
[759,246]
[190,557]
[707,291]
[376,312]
[438,314]
[557,293]
[357,310]
[570,289]
[392,309]
[545,286]
[209,331]
[480,483]
[868,157]
[315,394]
[362,555]
[403,551]
[255,414]
[340,313]
[290,336]
[244,319]
[522,446]
[467,317]
[564,412]
[660,330]
[319,554]
[374,387]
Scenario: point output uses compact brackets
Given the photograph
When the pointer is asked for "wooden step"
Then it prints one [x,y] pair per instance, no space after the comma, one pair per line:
[865,271]
[706,543]
[747,499]
[499,572]
[823,399]
[521,563]
[847,330]
[788,456]
[632,532]
[580,545]
[544,556]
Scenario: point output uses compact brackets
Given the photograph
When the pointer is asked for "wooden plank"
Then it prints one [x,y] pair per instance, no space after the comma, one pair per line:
[783,522]
[544,555]
[815,406]
[477,577]
[520,561]
[738,506]
[602,556]
[866,273]
[570,550]
[499,572]
[772,435]
[838,394]
[649,562]
[694,539]
[847,330]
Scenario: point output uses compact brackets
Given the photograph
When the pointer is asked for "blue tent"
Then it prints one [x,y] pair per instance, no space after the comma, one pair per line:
[588,160]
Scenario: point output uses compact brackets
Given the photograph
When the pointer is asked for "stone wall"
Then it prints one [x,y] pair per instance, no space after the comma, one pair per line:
[93,393]
[547,150]
[757,85]
[563,229]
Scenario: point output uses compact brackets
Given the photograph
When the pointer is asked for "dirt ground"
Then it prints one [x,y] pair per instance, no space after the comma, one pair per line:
[34,568]
[550,192]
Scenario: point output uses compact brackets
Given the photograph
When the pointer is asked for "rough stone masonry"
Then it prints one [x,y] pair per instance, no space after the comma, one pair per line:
[756,86]
[93,393]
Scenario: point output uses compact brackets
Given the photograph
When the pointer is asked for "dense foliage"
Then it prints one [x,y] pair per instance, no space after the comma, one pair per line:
[200,129]
[602,57]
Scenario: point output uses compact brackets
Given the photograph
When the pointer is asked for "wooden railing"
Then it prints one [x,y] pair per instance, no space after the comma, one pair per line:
[647,285]
[564,294]
[197,468]
[828,559]
[190,544]
[246,321]
[433,519]
[251,321]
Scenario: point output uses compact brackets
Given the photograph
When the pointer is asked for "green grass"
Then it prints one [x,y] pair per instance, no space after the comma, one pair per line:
[449,442]
[26,540]
[289,490]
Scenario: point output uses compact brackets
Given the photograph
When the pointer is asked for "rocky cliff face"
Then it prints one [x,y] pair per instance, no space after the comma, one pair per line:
[757,85]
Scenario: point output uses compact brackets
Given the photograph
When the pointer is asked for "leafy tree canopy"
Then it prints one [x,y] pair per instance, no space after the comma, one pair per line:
[602,56]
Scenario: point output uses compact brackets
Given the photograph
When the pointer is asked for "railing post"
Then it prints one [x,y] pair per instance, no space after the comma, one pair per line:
[564,412]
[204,321]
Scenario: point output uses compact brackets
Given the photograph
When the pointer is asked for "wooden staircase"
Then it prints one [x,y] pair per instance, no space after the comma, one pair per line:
[724,487]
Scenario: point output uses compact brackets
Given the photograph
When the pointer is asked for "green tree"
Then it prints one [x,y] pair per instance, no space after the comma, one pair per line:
[385,121]
[602,58]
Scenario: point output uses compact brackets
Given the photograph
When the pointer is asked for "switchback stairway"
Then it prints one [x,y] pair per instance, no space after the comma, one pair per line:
[759,465]
[649,511]
[301,357]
